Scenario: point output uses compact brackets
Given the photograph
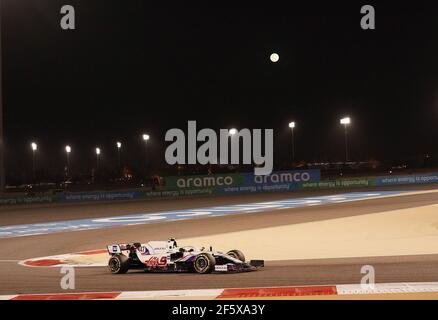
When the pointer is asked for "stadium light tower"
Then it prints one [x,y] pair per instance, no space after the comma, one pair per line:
[232,131]
[346,122]
[67,152]
[34,148]
[292,127]
[97,157]
[146,138]
[119,146]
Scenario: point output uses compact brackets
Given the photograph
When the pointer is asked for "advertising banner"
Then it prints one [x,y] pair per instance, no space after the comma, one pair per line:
[283,177]
[99,196]
[341,183]
[241,182]
[27,199]
[205,181]
[411,179]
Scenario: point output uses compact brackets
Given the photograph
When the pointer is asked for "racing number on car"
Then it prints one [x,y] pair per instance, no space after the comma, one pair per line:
[154,261]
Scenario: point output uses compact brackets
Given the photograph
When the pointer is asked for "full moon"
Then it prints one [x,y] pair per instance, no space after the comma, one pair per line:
[274,57]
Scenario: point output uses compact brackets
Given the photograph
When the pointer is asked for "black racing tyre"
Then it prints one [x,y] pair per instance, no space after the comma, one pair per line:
[237,254]
[118,264]
[204,263]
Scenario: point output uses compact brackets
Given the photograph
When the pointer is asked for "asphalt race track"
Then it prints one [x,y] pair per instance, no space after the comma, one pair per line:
[15,278]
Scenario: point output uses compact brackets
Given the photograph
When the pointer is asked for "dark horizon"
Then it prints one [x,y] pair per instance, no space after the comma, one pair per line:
[134,68]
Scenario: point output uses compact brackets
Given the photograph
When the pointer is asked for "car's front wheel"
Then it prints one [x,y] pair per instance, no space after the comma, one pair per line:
[237,254]
[118,263]
[204,263]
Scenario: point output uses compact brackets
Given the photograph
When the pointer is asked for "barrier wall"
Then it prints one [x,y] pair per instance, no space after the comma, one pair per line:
[241,182]
[229,184]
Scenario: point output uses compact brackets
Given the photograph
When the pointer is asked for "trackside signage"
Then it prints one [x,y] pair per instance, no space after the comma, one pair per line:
[98,196]
[281,177]
[403,180]
[275,182]
[207,181]
[27,200]
[341,183]
[229,183]
[243,182]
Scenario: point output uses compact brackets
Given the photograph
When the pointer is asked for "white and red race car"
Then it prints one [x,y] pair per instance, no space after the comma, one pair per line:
[166,256]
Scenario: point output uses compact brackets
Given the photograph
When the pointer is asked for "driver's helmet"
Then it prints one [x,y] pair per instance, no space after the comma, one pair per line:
[172,243]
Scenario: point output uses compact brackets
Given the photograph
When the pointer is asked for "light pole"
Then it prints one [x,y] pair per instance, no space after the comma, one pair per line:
[2,146]
[232,132]
[119,146]
[97,158]
[346,122]
[146,138]
[67,151]
[34,147]
[292,126]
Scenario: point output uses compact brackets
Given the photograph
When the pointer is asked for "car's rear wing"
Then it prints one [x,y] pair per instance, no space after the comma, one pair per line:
[117,248]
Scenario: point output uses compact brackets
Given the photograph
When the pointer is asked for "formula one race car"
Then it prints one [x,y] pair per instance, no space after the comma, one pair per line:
[166,256]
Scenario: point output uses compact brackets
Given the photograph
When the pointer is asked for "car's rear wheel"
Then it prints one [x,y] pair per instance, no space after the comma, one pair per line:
[237,254]
[204,263]
[118,264]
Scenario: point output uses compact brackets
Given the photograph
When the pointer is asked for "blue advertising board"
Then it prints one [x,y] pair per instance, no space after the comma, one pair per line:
[282,177]
[276,181]
[410,179]
[99,196]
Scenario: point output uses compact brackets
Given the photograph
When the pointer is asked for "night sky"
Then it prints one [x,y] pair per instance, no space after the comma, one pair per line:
[134,66]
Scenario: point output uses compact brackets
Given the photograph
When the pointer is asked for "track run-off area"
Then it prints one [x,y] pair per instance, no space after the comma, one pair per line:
[176,215]
[306,239]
